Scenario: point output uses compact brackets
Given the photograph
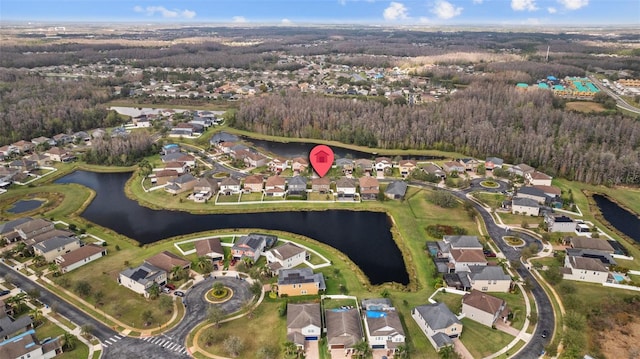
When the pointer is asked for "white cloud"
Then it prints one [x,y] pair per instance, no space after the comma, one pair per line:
[164,12]
[286,22]
[239,19]
[424,20]
[552,10]
[395,11]
[477,1]
[445,10]
[522,5]
[573,4]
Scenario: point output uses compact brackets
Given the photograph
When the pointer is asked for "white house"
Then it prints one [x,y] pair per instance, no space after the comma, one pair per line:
[56,246]
[285,256]
[142,278]
[303,323]
[557,223]
[80,257]
[584,270]
[484,308]
[525,206]
[537,178]
[464,259]
[383,329]
[438,323]
[489,279]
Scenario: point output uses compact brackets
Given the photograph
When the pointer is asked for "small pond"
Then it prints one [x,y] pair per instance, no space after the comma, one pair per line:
[25,205]
[623,220]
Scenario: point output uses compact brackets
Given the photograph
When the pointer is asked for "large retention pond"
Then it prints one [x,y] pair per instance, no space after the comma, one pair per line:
[623,220]
[363,236]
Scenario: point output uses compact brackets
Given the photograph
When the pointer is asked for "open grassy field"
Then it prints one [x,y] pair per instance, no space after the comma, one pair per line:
[493,200]
[584,106]
[481,340]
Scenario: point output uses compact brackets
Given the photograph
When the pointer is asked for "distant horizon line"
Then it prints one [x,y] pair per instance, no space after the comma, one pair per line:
[275,23]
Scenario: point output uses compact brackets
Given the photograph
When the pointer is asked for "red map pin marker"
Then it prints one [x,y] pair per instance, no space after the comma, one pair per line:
[321,158]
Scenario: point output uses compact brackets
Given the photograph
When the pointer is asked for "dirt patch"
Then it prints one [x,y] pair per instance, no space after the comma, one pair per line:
[621,341]
[584,106]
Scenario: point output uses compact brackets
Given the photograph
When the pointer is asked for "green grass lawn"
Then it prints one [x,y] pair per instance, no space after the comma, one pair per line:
[493,200]
[515,302]
[518,220]
[251,197]
[452,301]
[228,199]
[330,303]
[481,340]
[314,196]
[50,330]
[256,332]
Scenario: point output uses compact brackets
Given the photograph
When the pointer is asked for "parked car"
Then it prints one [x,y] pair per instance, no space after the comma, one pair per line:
[488,253]
[166,290]
[545,333]
[170,286]
[179,293]
[4,292]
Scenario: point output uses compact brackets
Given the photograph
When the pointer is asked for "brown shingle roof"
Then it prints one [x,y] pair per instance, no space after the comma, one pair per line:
[343,327]
[275,181]
[80,254]
[590,264]
[591,243]
[483,301]
[209,245]
[166,261]
[368,181]
[286,250]
[468,255]
[255,179]
[322,181]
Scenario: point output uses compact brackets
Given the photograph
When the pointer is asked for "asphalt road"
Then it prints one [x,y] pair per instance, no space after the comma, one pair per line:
[546,317]
[619,100]
[167,345]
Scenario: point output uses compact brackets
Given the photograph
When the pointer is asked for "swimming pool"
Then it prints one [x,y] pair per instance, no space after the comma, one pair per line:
[375,314]
[618,277]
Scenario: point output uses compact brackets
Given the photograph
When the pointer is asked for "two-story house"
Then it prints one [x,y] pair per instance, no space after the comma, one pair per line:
[303,323]
[369,188]
[383,328]
[253,183]
[248,246]
[584,269]
[438,323]
[79,257]
[484,308]
[302,281]
[285,256]
[140,279]
[56,246]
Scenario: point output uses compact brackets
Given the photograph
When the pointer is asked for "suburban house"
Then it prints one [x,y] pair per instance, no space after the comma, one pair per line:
[39,159]
[434,170]
[184,183]
[285,256]
[43,140]
[383,163]
[229,186]
[470,164]
[484,308]
[493,162]
[489,279]
[605,258]
[162,177]
[344,329]
[407,167]
[81,136]
[53,247]
[23,146]
[62,138]
[81,256]
[248,246]
[464,259]
[253,159]
[321,185]
[24,165]
[584,269]
[253,183]
[204,188]
[451,166]
[591,243]
[396,190]
[140,279]
[304,322]
[551,192]
[537,178]
[364,164]
[521,169]
[531,193]
[170,148]
[345,164]
[297,185]
[179,157]
[166,261]
[438,323]
[210,247]
[48,235]
[346,188]
[302,281]
[369,188]
[556,223]
[278,165]
[10,327]
[275,186]
[525,206]
[299,165]
[383,328]
[27,345]
[179,167]
[59,155]
[33,227]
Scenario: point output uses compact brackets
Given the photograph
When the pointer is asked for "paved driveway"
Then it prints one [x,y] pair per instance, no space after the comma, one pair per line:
[312,349]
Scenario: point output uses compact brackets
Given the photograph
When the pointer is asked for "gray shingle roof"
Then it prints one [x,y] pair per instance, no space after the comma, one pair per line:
[488,273]
[302,315]
[301,275]
[532,191]
[53,243]
[441,340]
[143,273]
[525,202]
[437,315]
[463,242]
[398,188]
[343,327]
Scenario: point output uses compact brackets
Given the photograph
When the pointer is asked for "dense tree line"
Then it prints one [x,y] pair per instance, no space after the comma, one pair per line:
[121,150]
[32,106]
[486,119]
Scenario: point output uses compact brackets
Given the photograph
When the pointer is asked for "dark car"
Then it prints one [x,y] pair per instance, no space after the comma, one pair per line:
[545,333]
[179,293]
[4,292]
[488,253]
[171,286]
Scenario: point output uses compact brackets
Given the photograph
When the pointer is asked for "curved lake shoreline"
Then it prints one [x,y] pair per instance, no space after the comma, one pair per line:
[618,217]
[364,236]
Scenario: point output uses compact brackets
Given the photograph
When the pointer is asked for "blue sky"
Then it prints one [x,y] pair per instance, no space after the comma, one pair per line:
[490,12]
